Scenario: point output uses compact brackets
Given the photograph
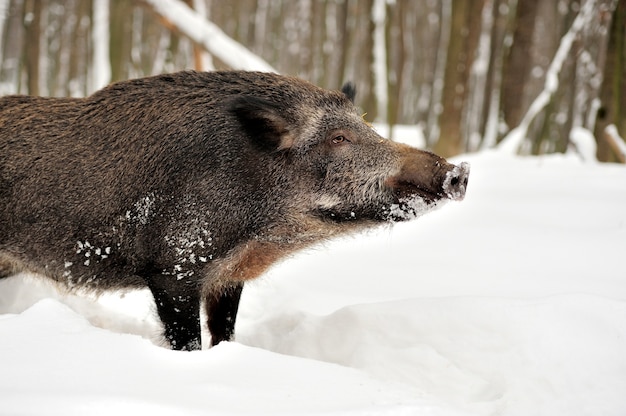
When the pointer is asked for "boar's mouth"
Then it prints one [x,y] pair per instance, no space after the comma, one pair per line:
[403,190]
[406,196]
[414,197]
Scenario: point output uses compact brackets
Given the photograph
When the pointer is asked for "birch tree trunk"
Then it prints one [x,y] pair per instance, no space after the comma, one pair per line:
[101,39]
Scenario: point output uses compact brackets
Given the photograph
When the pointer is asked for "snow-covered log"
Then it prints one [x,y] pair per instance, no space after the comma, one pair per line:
[208,35]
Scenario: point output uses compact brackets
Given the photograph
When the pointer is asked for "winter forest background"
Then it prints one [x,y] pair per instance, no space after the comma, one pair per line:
[471,74]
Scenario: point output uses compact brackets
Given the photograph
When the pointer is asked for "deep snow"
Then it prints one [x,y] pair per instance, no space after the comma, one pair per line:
[512,302]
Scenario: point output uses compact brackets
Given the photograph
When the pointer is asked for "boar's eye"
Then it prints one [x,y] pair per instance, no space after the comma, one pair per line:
[339,139]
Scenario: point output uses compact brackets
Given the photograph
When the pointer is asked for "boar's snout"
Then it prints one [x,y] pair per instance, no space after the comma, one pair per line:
[430,178]
[455,182]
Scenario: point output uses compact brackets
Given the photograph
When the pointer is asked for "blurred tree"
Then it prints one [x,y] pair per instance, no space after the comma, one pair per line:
[121,30]
[612,109]
[32,29]
[461,53]
[465,72]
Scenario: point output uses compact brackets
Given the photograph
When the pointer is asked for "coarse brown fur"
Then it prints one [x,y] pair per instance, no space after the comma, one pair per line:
[192,183]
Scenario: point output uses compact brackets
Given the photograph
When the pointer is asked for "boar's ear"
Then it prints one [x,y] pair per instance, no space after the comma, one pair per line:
[349,89]
[263,121]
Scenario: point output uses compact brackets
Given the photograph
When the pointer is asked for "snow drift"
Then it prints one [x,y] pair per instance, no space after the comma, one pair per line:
[512,302]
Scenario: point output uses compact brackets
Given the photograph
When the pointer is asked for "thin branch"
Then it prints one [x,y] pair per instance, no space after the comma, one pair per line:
[206,34]
[514,139]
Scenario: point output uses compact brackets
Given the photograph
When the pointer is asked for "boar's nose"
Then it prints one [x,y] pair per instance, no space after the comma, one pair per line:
[429,176]
[455,182]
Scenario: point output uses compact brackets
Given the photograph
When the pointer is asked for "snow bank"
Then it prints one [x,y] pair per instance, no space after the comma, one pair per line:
[74,368]
[486,355]
[512,302]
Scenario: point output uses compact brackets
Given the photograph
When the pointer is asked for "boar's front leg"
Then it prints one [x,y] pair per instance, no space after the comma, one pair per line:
[221,307]
[178,305]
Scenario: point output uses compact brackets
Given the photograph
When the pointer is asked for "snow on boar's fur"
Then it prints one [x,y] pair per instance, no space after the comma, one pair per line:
[192,183]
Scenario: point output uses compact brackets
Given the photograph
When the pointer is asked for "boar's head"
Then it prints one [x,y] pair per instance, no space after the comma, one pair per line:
[336,164]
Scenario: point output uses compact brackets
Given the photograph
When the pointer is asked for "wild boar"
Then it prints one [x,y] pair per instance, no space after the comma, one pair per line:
[192,183]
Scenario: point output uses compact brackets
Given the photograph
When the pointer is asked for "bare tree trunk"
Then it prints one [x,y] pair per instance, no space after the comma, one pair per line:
[439,73]
[4,20]
[397,59]
[379,58]
[121,29]
[4,12]
[466,31]
[477,93]
[543,104]
[80,61]
[342,18]
[518,66]
[101,74]
[612,109]
[197,50]
[319,57]
[32,27]
[503,15]
[12,49]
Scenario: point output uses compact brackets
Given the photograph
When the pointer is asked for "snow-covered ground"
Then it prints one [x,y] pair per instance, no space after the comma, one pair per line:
[512,302]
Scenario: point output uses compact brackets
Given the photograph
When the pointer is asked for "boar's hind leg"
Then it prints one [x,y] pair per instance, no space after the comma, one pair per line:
[221,308]
[178,305]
